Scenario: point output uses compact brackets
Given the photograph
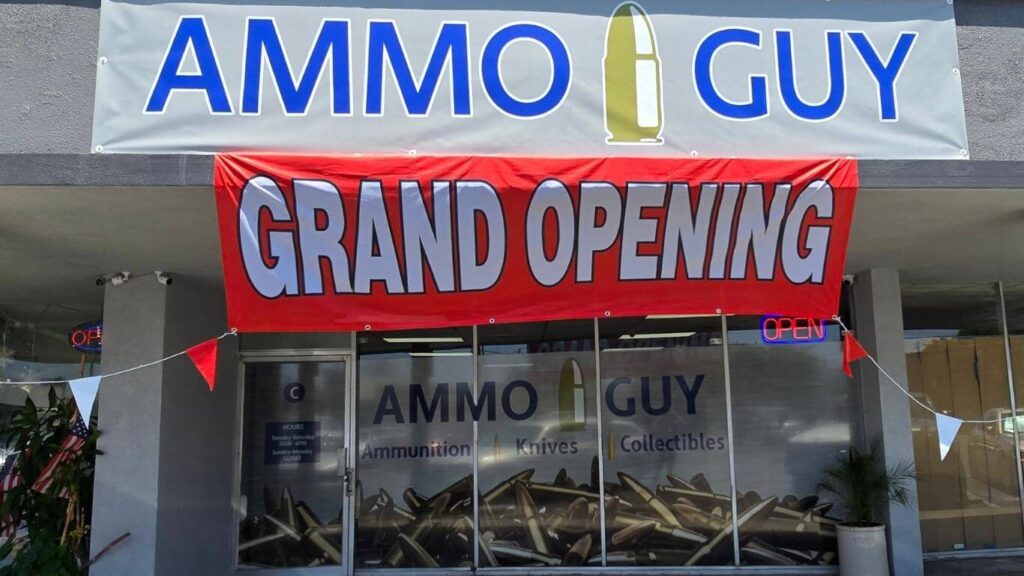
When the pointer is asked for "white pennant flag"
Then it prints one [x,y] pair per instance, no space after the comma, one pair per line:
[85,390]
[948,427]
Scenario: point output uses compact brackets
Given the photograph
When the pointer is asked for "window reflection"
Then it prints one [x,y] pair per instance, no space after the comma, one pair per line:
[414,493]
[794,413]
[666,444]
[538,445]
[956,363]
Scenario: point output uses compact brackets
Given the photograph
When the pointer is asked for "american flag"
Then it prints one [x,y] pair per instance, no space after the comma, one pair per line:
[10,478]
[69,449]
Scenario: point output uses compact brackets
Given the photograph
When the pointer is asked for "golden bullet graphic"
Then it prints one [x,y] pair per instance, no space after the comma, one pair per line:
[611,445]
[572,397]
[632,78]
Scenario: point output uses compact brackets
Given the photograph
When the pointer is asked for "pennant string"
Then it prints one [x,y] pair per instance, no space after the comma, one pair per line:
[232,332]
[907,393]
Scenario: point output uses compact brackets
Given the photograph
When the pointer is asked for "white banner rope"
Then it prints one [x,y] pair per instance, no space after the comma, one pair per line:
[906,392]
[837,319]
[232,332]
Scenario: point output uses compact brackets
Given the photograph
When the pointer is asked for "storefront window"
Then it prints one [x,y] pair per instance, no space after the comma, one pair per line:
[666,470]
[539,494]
[1013,297]
[794,413]
[293,464]
[43,350]
[414,463]
[956,363]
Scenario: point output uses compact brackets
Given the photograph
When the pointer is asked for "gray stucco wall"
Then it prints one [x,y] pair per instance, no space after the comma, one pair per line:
[47,75]
[48,58]
[991,38]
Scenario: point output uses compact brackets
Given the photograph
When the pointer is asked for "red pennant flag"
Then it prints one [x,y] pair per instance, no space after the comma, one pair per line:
[204,356]
[852,350]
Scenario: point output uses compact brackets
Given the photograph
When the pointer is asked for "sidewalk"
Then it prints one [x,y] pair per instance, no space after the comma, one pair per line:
[1010,566]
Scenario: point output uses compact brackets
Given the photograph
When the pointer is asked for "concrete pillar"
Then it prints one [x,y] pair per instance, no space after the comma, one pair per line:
[879,327]
[167,469]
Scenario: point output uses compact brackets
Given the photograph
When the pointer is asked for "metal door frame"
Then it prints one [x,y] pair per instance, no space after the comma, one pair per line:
[348,356]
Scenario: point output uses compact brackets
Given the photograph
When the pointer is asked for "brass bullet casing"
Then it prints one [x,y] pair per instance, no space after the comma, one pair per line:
[699,482]
[632,78]
[678,535]
[631,534]
[555,522]
[270,504]
[257,542]
[653,501]
[417,529]
[320,543]
[287,512]
[413,500]
[505,487]
[283,528]
[307,519]
[785,533]
[415,553]
[611,507]
[332,529]
[697,519]
[535,531]
[678,482]
[705,499]
[578,553]
[572,397]
[486,556]
[797,515]
[757,552]
[562,479]
[487,517]
[547,491]
[822,509]
[516,555]
[719,547]
[577,516]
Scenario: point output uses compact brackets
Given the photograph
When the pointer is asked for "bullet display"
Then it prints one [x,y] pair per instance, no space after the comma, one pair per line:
[556,522]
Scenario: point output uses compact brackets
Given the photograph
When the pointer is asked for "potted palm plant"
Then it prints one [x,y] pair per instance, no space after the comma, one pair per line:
[861,482]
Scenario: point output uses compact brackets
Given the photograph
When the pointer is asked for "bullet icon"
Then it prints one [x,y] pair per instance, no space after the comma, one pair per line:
[632,78]
[572,397]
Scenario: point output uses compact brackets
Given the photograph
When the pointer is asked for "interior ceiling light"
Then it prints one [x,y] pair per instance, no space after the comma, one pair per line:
[656,335]
[637,349]
[424,340]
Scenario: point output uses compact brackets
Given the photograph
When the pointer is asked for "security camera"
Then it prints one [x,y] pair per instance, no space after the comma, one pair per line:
[118,279]
[163,278]
[101,281]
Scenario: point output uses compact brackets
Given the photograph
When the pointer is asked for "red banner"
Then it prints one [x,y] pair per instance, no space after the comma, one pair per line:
[327,243]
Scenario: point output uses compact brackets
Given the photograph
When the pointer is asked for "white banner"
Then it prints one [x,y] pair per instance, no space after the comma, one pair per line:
[865,78]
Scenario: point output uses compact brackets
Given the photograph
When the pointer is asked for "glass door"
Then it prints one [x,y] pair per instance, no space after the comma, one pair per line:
[295,487]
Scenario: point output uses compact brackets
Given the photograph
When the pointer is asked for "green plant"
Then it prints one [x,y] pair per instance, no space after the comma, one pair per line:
[57,542]
[862,483]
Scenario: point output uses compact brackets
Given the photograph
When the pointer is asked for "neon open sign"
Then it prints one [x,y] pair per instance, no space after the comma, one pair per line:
[792,330]
[87,337]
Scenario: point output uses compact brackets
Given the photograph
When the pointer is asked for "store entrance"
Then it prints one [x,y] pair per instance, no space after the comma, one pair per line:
[295,476]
